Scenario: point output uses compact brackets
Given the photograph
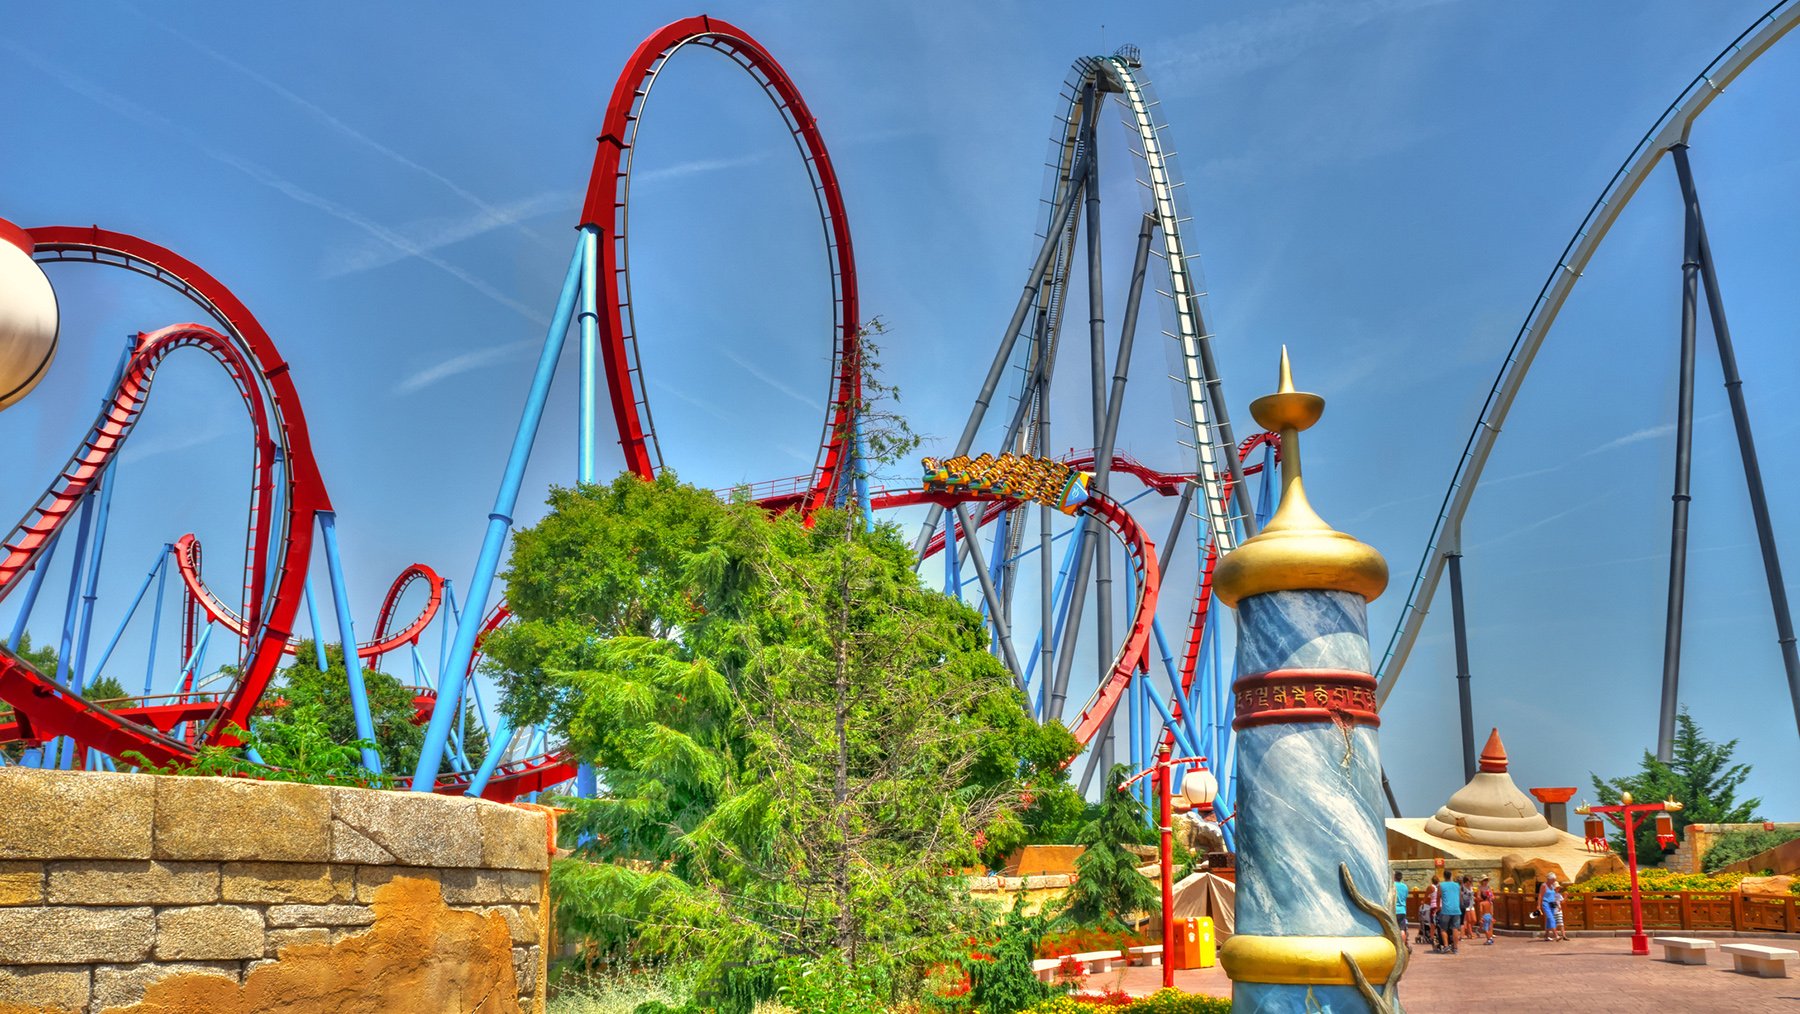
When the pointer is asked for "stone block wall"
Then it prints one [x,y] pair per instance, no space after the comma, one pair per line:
[1418,872]
[155,895]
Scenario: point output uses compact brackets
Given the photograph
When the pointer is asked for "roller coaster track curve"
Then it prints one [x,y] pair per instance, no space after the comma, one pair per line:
[606,209]
[187,562]
[1670,129]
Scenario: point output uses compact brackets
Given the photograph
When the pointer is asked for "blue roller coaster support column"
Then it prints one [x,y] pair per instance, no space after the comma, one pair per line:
[162,579]
[38,570]
[1183,740]
[498,744]
[862,475]
[124,621]
[91,589]
[589,325]
[589,252]
[64,647]
[487,564]
[340,595]
[318,629]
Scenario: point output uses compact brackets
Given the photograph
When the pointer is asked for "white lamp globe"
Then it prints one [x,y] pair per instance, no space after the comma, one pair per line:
[28,317]
[1199,788]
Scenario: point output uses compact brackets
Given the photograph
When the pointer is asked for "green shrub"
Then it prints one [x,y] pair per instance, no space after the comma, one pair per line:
[1658,880]
[1006,984]
[1167,1001]
[1737,846]
[1170,1001]
[645,991]
[827,986]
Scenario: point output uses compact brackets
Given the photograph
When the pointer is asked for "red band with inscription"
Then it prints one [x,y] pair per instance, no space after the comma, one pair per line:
[1339,696]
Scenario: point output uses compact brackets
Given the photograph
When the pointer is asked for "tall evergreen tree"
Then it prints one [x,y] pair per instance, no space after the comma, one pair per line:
[1700,776]
[1108,889]
[798,741]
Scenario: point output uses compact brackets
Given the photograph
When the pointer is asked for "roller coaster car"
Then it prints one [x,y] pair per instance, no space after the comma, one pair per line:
[1074,492]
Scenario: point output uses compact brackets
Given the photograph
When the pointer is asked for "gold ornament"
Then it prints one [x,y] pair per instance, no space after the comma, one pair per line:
[1296,550]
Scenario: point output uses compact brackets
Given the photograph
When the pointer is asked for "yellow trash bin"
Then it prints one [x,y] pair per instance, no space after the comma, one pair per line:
[1207,945]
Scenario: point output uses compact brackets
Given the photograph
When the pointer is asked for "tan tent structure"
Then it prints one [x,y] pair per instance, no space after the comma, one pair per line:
[1206,894]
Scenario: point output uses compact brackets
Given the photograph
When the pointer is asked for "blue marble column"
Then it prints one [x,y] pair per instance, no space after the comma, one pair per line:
[1308,799]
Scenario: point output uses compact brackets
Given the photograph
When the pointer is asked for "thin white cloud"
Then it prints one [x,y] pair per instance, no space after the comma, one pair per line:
[1273,37]
[330,120]
[143,448]
[1647,433]
[269,178]
[771,381]
[457,364]
[694,167]
[1634,437]
[440,231]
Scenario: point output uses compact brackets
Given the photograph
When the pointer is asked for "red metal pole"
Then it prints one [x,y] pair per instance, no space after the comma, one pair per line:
[1163,773]
[1640,944]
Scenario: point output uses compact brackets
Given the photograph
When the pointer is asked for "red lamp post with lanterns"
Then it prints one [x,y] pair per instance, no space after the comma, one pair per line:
[1628,816]
[1198,788]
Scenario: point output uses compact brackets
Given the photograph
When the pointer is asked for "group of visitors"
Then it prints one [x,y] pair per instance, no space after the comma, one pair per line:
[1453,910]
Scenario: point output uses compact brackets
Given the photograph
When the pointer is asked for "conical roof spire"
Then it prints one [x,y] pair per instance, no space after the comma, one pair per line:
[1493,755]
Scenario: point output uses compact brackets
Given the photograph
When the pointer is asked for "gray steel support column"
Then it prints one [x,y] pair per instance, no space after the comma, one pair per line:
[992,596]
[1388,791]
[1086,531]
[1678,525]
[1464,701]
[1059,221]
[1103,642]
[1182,507]
[1740,418]
[1087,773]
[1046,569]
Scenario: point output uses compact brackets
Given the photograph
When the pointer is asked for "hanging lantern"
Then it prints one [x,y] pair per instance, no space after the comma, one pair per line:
[1665,832]
[1595,830]
[1200,788]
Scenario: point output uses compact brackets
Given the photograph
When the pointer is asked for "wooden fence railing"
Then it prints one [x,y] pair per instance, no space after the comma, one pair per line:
[1663,910]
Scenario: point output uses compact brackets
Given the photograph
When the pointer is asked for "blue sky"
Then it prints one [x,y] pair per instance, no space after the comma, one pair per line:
[1380,184]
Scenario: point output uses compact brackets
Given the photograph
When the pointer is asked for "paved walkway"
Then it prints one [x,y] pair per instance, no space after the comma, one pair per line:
[1596,975]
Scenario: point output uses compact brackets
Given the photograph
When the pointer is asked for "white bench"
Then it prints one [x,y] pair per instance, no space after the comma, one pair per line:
[1100,961]
[1684,950]
[1755,959]
[1093,961]
[1149,954]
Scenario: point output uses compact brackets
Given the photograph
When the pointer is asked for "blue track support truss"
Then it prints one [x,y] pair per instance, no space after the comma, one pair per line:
[487,564]
[340,595]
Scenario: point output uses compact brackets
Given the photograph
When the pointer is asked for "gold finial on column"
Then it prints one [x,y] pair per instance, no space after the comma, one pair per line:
[1296,550]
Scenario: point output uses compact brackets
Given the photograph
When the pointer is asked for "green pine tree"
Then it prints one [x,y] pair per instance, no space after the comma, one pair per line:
[1108,889]
[1700,776]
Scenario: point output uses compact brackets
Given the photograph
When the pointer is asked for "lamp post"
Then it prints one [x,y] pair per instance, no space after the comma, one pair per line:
[1625,814]
[1198,789]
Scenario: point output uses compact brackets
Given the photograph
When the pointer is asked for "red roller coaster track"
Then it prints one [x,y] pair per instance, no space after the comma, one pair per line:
[607,209]
[41,708]
[1134,652]
[187,563]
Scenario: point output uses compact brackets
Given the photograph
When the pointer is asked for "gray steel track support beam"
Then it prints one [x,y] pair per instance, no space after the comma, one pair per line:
[1740,418]
[1681,497]
[988,592]
[1096,295]
[1464,699]
[1059,221]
